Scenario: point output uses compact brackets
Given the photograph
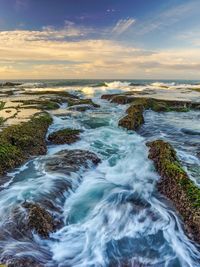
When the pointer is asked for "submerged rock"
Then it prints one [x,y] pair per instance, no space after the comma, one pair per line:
[177,186]
[81,108]
[39,220]
[68,161]
[65,136]
[22,262]
[127,263]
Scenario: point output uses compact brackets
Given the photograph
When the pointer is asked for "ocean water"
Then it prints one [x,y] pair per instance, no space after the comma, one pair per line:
[113,216]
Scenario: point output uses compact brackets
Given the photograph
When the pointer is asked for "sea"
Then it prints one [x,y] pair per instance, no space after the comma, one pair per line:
[113,216]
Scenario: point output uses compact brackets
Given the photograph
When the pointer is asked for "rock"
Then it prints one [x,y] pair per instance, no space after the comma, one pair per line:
[19,142]
[177,186]
[23,262]
[39,220]
[10,84]
[126,263]
[65,136]
[62,95]
[74,102]
[68,161]
[42,104]
[134,119]
[158,105]
[81,108]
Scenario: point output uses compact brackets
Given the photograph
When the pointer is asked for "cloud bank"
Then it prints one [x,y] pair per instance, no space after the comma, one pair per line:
[49,54]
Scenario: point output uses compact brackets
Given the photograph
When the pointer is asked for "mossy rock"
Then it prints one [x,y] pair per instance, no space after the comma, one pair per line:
[2,104]
[81,108]
[19,142]
[177,186]
[1,120]
[10,156]
[74,102]
[56,93]
[65,136]
[41,104]
[157,105]
[134,119]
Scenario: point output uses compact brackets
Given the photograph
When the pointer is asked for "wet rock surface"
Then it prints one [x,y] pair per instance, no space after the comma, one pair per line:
[75,102]
[68,161]
[81,108]
[23,262]
[65,136]
[39,220]
[177,186]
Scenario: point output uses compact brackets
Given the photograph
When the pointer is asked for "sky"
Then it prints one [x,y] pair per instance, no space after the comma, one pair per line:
[99,39]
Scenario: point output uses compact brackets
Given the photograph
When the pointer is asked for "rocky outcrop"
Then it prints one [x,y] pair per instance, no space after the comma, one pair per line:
[134,119]
[22,262]
[74,102]
[68,161]
[177,186]
[19,142]
[39,220]
[158,105]
[42,104]
[65,136]
[10,84]
[81,108]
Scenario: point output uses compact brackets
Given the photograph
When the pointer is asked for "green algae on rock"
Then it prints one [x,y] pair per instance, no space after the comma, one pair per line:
[134,119]
[40,104]
[2,104]
[158,105]
[1,121]
[65,136]
[177,186]
[74,102]
[19,142]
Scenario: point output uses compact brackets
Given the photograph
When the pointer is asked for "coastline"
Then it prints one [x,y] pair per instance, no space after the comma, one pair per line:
[59,126]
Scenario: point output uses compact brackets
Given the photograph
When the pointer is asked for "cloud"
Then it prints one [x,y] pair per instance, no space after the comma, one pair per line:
[169,17]
[122,26]
[47,54]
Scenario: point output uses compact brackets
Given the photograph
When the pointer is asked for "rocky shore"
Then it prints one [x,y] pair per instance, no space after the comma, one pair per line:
[175,183]
[19,142]
[23,137]
[134,118]
[177,186]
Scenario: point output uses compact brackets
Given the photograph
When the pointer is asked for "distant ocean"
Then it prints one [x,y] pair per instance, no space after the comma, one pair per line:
[103,82]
